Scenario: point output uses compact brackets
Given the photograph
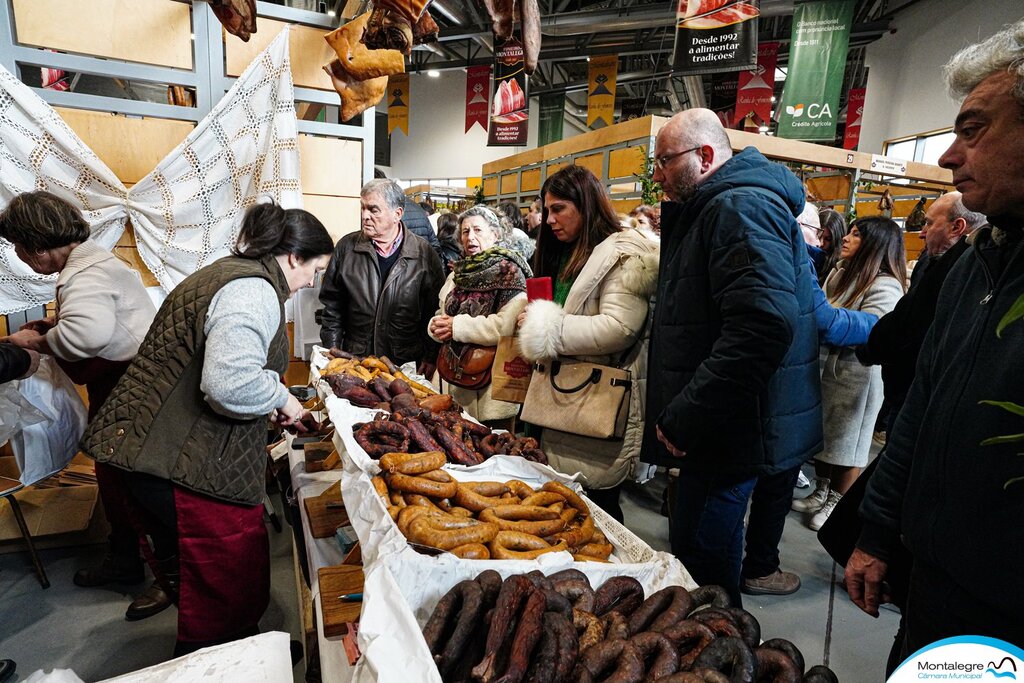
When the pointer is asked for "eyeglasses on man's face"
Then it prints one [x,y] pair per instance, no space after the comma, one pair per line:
[665,159]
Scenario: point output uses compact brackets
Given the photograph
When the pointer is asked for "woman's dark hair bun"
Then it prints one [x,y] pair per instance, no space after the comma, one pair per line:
[269,229]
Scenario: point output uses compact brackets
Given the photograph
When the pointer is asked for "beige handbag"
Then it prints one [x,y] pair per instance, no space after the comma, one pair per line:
[580,398]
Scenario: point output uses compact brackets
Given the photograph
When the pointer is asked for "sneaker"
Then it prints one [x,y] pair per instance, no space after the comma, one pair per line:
[822,515]
[813,502]
[802,482]
[777,583]
[879,438]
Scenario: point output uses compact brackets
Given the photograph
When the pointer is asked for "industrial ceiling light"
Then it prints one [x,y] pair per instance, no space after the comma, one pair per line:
[433,73]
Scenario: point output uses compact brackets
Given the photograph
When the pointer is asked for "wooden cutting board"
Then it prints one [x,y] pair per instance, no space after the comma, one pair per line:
[334,582]
[324,520]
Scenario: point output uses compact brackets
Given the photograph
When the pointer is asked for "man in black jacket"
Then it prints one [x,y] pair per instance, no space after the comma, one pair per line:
[896,339]
[732,393]
[945,486]
[380,289]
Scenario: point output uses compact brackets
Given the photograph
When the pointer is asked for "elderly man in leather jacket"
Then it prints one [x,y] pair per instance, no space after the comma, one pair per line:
[380,289]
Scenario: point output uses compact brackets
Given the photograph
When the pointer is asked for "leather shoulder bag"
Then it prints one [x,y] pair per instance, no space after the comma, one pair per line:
[470,368]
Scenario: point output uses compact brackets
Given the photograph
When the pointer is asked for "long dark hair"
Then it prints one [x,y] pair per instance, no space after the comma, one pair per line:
[834,224]
[881,252]
[599,221]
[268,229]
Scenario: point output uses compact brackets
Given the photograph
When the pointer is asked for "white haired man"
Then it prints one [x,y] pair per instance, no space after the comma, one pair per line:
[942,487]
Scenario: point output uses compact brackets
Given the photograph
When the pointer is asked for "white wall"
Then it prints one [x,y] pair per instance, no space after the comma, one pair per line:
[905,91]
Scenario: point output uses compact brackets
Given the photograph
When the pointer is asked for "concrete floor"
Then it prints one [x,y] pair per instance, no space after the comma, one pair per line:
[84,629]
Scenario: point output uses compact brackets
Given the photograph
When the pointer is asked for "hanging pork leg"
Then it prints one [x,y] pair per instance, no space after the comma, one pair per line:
[237,16]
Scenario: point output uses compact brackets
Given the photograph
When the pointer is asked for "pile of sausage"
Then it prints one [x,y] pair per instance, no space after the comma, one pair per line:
[550,629]
[485,520]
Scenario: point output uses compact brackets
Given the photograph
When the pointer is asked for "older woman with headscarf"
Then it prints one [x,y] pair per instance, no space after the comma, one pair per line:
[480,301]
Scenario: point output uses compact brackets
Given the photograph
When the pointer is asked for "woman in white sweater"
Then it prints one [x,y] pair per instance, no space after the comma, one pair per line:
[479,302]
[103,313]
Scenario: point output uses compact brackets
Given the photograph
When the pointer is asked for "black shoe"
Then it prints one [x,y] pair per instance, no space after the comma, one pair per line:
[153,601]
[7,667]
[111,570]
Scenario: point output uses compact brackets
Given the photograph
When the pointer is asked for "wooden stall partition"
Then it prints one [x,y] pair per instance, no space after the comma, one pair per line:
[148,31]
[308,52]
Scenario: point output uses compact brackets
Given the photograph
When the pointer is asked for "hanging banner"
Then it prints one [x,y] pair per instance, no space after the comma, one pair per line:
[632,108]
[854,112]
[713,36]
[723,97]
[552,117]
[509,113]
[398,103]
[817,62]
[478,84]
[601,94]
[754,90]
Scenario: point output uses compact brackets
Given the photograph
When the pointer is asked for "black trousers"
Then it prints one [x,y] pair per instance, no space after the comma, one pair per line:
[769,507]
[608,500]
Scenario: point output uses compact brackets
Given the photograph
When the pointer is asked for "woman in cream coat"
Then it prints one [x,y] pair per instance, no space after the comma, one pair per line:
[603,278]
[103,313]
[480,300]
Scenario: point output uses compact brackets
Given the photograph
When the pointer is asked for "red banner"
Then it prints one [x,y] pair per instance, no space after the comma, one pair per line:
[478,87]
[754,91]
[854,114]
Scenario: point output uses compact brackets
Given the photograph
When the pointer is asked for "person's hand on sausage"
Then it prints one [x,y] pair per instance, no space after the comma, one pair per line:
[291,414]
[865,581]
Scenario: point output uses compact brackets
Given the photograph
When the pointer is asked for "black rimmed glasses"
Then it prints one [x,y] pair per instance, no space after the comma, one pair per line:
[665,159]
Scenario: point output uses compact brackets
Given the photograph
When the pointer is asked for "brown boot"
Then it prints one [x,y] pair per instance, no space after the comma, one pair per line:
[153,601]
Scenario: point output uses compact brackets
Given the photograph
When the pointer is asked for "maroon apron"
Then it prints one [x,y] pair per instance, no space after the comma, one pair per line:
[224,559]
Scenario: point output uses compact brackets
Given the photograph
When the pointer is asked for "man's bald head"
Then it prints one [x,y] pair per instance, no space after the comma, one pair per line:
[946,221]
[688,150]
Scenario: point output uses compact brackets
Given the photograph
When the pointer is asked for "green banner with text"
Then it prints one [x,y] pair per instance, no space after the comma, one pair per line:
[817,62]
[551,117]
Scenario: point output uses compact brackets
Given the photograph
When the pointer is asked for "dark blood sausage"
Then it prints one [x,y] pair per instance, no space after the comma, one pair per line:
[514,591]
[701,676]
[380,437]
[620,593]
[535,455]
[568,645]
[691,637]
[820,674]
[789,649]
[399,386]
[380,387]
[718,621]
[490,582]
[527,633]
[659,651]
[750,628]
[617,657]
[729,656]
[439,625]
[467,624]
[403,403]
[420,435]
[454,447]
[661,610]
[590,628]
[714,596]
[544,657]
[558,602]
[616,626]
[774,666]
[569,574]
[489,445]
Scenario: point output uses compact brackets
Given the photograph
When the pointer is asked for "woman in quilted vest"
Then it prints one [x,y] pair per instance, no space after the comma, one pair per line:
[102,313]
[186,424]
[603,277]
[871,277]
[479,303]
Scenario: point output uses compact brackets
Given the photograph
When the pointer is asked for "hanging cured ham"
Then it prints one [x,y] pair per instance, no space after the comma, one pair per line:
[237,16]
[710,14]
[693,8]
[514,117]
[508,98]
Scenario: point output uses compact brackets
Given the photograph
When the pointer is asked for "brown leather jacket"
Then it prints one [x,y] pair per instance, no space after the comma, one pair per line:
[364,318]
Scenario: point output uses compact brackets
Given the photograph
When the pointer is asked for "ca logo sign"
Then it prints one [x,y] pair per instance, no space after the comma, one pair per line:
[814,111]
[796,111]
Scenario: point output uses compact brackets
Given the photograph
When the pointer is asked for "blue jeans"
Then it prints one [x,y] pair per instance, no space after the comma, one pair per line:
[707,528]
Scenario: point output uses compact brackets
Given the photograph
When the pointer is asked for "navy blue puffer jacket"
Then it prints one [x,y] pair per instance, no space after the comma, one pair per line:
[733,378]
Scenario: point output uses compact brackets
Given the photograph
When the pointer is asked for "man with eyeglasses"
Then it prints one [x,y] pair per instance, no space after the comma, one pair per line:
[733,394]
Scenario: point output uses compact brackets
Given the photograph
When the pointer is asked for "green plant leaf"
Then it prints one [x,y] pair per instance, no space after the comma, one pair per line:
[1011,482]
[1016,312]
[1007,438]
[1005,405]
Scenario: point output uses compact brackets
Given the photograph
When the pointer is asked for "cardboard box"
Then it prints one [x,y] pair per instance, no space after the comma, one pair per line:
[47,511]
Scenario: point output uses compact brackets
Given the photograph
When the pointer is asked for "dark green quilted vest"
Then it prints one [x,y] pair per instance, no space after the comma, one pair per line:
[156,420]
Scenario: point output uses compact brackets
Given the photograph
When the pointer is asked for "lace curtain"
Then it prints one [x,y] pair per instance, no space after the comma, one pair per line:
[187,211]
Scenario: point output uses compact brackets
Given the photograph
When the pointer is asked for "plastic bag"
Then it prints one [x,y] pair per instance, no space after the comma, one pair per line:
[16,413]
[46,448]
